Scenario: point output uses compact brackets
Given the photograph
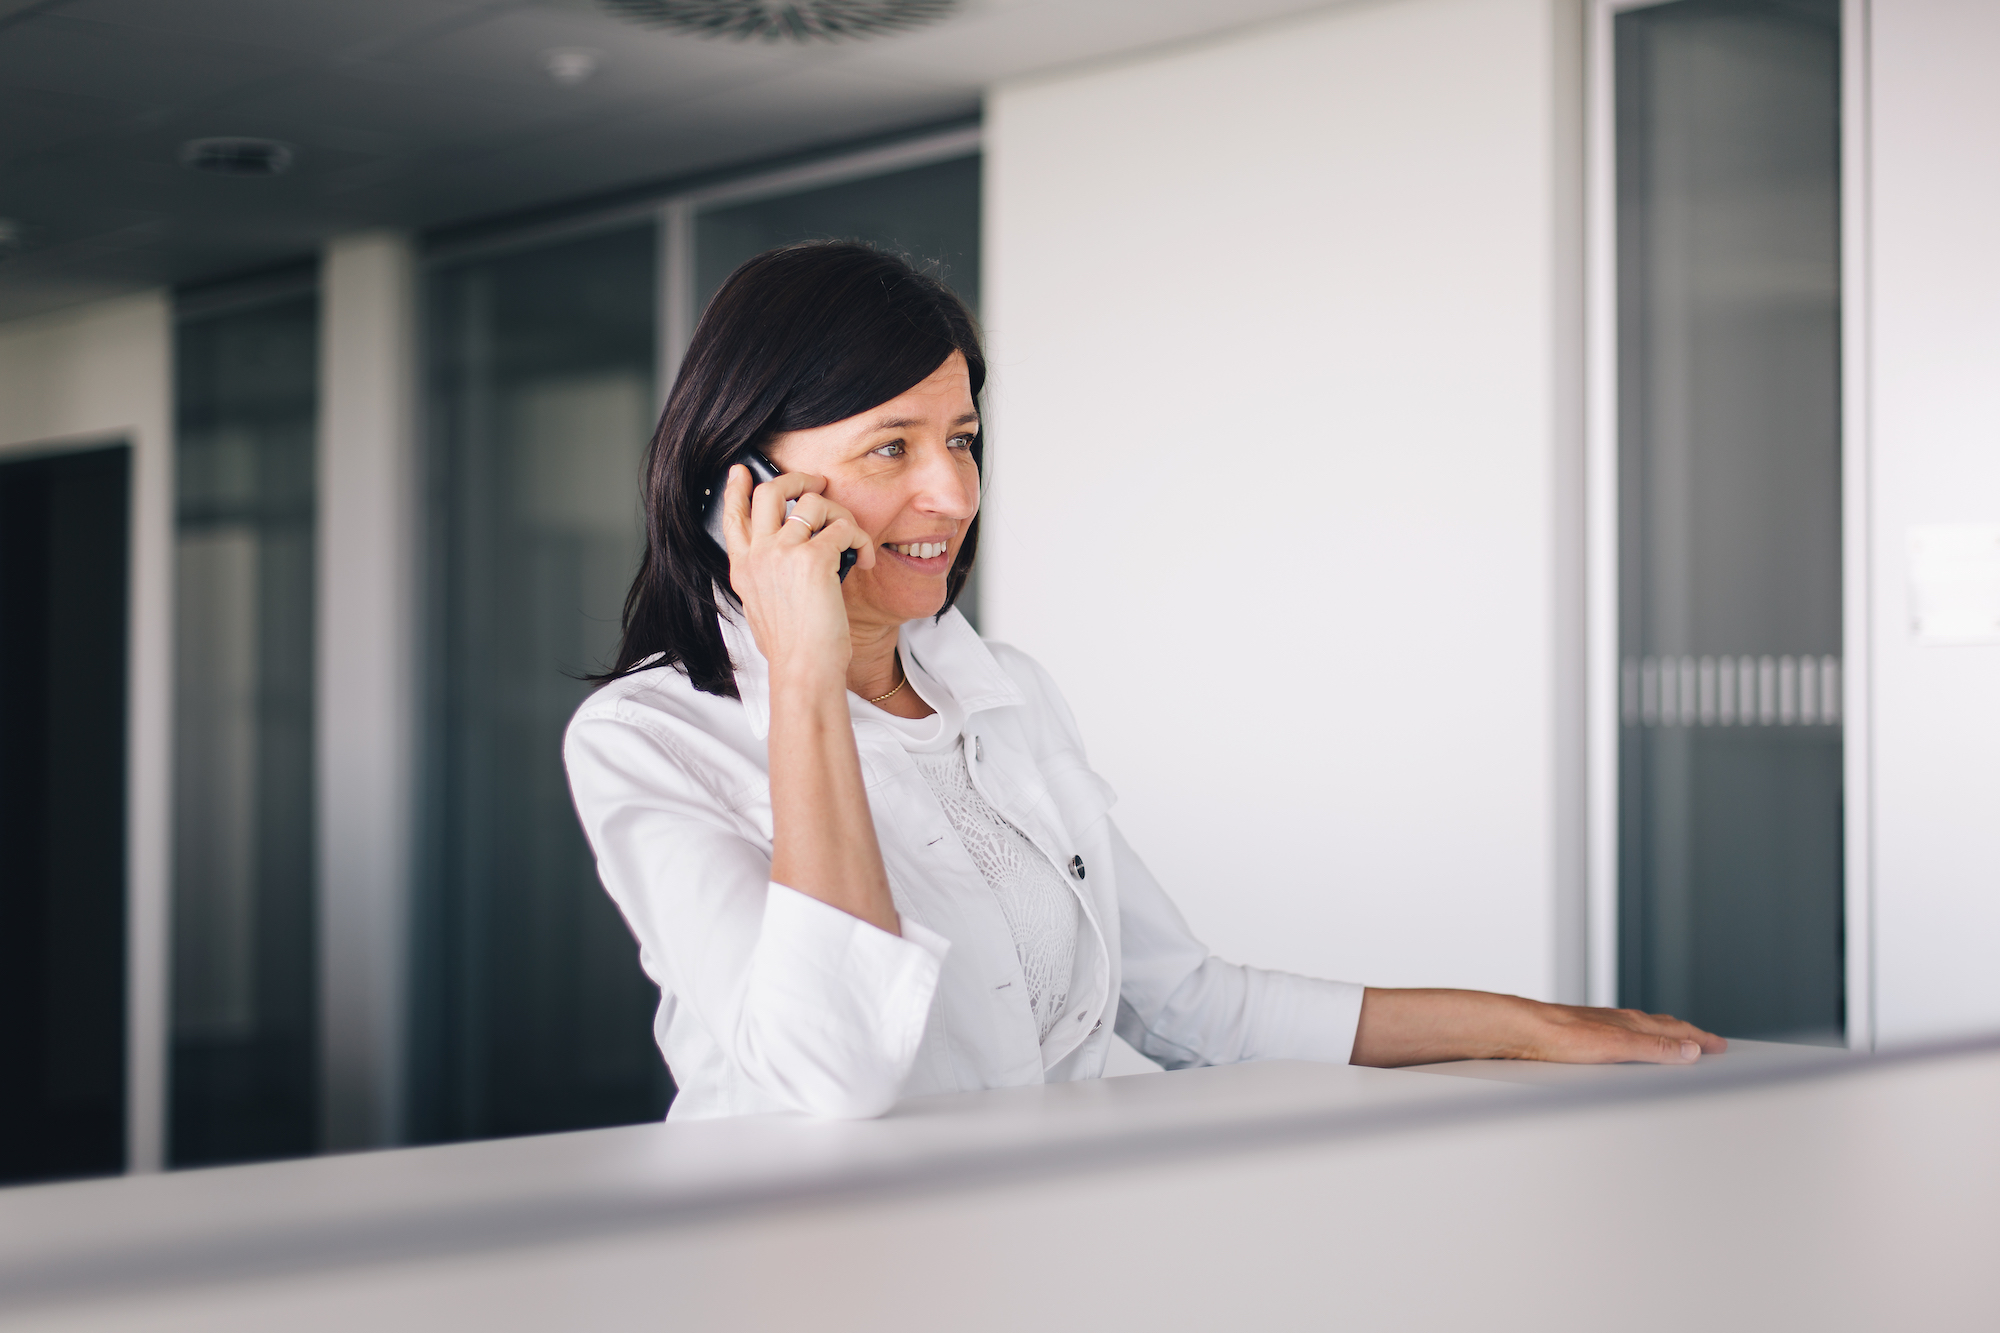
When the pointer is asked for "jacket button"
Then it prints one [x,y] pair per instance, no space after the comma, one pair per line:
[1076,864]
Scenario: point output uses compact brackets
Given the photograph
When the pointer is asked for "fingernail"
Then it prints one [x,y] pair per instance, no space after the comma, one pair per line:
[1689,1050]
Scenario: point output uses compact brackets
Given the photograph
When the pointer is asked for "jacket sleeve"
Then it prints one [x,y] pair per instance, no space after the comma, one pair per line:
[1180,1005]
[820,1010]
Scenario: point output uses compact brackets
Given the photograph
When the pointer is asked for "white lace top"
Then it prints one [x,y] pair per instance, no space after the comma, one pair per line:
[1036,900]
[1040,910]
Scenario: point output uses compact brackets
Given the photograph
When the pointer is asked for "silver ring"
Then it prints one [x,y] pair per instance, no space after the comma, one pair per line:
[810,529]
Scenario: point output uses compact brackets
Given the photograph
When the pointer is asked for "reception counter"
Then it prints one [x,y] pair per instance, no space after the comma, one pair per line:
[1773,1187]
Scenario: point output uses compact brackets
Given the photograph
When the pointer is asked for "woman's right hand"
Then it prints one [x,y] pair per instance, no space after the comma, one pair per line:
[787,571]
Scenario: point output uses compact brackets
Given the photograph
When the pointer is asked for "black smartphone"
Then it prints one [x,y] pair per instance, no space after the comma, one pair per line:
[761,471]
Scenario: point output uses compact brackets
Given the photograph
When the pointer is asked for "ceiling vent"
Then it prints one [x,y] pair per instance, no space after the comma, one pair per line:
[784,20]
[237,157]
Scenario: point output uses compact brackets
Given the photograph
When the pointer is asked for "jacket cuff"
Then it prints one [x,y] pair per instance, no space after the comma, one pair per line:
[845,1004]
[1307,1018]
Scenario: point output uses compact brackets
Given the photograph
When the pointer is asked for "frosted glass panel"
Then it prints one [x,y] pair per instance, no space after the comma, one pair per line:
[1729,466]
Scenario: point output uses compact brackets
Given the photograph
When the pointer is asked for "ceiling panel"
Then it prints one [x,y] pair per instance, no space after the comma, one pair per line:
[53,53]
[308,29]
[32,119]
[426,113]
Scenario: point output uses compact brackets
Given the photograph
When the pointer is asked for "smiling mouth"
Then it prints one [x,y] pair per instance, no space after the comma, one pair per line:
[919,550]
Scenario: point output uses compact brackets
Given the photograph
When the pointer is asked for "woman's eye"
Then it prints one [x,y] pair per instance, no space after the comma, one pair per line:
[891,451]
[962,441]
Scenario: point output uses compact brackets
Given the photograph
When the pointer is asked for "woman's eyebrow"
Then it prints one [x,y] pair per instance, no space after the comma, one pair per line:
[902,423]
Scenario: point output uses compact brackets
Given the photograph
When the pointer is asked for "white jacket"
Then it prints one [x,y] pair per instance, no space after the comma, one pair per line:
[771,1000]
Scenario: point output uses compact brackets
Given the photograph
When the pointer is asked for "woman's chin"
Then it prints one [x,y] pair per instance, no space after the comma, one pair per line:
[901,596]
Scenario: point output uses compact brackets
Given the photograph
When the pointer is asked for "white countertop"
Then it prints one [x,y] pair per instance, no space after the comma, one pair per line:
[1283,1194]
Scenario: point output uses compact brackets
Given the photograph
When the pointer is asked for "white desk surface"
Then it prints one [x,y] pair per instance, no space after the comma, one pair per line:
[1776,1187]
[1762,1056]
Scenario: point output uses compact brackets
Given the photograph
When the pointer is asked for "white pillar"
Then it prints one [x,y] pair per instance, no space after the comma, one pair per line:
[367,680]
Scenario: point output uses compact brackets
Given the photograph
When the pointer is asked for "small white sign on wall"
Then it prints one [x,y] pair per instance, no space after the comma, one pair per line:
[1955,582]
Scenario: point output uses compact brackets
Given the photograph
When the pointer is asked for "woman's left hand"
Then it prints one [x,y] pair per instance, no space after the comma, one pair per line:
[1413,1027]
[1576,1035]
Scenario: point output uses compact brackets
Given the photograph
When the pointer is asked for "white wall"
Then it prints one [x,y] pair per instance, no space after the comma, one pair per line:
[83,376]
[1935,347]
[1279,329]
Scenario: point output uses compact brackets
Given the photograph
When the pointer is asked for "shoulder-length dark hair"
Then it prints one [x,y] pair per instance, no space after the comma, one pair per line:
[802,336]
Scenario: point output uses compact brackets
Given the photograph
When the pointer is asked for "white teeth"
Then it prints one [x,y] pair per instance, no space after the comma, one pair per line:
[920,550]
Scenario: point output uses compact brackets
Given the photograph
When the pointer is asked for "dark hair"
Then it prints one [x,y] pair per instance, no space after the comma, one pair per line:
[802,336]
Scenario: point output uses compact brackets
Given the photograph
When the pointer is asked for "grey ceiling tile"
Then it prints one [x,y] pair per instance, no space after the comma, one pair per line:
[506,55]
[33,118]
[418,112]
[319,28]
[56,54]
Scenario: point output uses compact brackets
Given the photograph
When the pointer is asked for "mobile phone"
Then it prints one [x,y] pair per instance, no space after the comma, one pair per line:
[761,471]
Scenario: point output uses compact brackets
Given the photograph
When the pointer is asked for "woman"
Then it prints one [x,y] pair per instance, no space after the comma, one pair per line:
[861,849]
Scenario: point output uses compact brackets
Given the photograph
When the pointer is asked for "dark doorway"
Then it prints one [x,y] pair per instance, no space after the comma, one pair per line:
[63,588]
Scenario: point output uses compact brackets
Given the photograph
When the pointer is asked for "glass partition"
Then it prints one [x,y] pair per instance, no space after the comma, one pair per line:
[929,214]
[1728,147]
[244,1059]
[532,1012]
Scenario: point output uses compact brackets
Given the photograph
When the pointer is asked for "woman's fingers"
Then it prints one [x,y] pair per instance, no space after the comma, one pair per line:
[810,514]
[1670,1026]
[1609,1036]
[842,534]
[1660,1049]
[1606,1043]
[1666,1025]
[849,534]
[736,510]
[817,518]
[767,504]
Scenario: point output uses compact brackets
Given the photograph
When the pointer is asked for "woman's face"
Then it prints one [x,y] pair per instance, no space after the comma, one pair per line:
[905,471]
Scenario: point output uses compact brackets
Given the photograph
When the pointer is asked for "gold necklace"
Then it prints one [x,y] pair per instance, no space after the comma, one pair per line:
[905,680]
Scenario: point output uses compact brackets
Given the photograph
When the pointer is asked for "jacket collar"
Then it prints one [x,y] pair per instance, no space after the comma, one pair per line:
[947,647]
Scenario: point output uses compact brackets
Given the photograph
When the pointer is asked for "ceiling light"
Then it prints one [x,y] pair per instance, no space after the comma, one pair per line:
[783,20]
[237,157]
[571,65]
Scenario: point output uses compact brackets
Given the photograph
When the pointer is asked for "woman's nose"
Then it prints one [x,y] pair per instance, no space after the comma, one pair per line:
[946,488]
